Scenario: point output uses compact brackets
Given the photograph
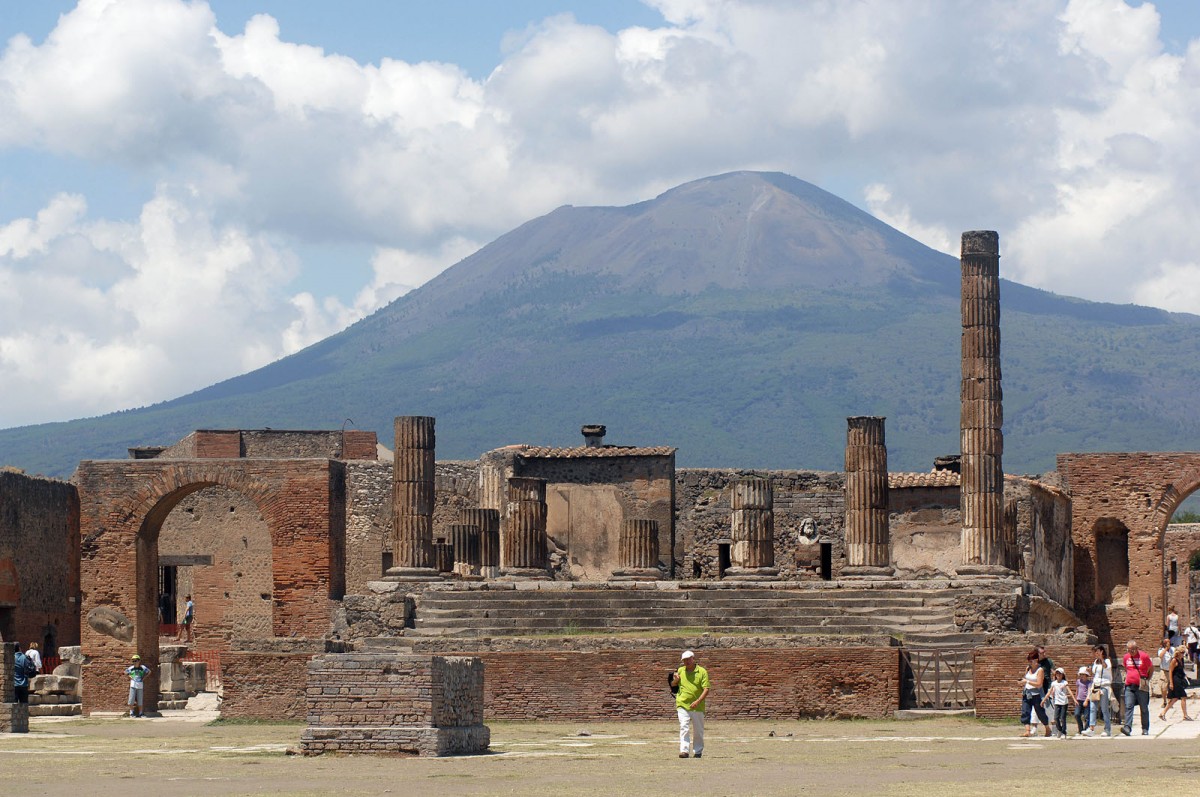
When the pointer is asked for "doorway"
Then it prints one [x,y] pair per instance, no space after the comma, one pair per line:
[723,560]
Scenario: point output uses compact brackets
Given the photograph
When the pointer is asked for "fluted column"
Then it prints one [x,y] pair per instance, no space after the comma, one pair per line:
[752,530]
[412,500]
[465,540]
[488,523]
[523,534]
[982,416]
[868,537]
[443,556]
[637,550]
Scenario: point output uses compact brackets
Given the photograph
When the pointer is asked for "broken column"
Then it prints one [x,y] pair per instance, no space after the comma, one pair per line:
[868,543]
[523,536]
[753,531]
[637,551]
[443,556]
[465,541]
[488,523]
[982,491]
[412,500]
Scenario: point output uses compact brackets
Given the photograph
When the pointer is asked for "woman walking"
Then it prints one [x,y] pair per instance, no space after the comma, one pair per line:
[1032,692]
[1177,680]
[1102,690]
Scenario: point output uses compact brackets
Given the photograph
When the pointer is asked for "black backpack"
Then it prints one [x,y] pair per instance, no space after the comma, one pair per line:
[30,669]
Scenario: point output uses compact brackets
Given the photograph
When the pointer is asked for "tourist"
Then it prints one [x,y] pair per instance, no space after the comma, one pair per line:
[34,655]
[1083,703]
[1171,631]
[1047,665]
[1102,695]
[1191,635]
[137,673]
[692,681]
[1032,691]
[1177,690]
[22,672]
[188,622]
[1138,666]
[1058,697]
[1158,682]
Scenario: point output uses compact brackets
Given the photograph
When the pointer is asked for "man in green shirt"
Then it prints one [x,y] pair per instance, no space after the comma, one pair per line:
[692,681]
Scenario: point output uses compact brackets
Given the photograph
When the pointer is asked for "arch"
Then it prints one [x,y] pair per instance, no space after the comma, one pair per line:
[123,505]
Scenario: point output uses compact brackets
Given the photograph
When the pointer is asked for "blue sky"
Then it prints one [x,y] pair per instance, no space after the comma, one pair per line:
[281,168]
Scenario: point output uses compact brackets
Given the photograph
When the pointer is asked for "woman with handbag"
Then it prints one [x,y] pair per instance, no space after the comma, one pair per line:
[1101,695]
[1032,692]
[1177,684]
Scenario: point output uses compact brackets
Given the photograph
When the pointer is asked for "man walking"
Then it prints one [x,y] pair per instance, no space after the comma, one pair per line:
[1138,665]
[692,681]
[22,670]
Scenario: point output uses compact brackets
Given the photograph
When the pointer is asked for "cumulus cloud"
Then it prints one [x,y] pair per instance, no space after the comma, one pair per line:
[1064,124]
[178,303]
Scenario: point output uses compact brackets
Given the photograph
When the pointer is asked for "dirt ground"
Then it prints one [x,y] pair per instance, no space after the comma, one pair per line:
[930,757]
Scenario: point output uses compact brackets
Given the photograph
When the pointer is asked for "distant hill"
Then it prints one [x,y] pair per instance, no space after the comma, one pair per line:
[740,318]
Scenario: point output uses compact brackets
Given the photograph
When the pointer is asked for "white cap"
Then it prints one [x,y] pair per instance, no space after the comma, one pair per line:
[1060,669]
[1084,670]
[687,654]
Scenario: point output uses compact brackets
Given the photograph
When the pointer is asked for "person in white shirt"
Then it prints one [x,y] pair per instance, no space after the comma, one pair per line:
[1191,636]
[1158,681]
[1102,684]
[34,655]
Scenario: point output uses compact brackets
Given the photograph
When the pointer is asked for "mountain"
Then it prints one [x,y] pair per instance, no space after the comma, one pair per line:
[740,318]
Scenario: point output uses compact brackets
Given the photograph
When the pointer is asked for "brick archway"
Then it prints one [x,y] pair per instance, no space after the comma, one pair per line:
[122,507]
[1140,491]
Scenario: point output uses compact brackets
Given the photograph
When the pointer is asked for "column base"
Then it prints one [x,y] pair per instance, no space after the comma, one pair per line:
[636,574]
[412,574]
[524,574]
[751,574]
[985,571]
[489,572]
[14,718]
[868,573]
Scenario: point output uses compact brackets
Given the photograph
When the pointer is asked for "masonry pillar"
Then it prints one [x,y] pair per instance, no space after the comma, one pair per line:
[523,535]
[412,500]
[753,531]
[868,537]
[488,523]
[982,491]
[637,551]
[14,716]
[465,540]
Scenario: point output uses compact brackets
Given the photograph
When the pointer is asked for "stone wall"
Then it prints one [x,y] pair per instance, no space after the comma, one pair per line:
[368,522]
[1043,537]
[999,672]
[703,512]
[273,444]
[1180,541]
[39,544]
[926,531]
[390,703]
[587,498]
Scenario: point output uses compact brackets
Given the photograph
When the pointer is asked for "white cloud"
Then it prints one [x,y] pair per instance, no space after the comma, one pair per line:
[1064,124]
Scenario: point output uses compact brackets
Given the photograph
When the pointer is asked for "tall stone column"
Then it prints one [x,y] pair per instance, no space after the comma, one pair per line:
[523,535]
[637,549]
[868,537]
[982,417]
[488,523]
[753,531]
[465,540]
[412,500]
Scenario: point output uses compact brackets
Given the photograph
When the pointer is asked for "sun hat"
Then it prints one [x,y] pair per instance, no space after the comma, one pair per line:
[137,657]
[1084,670]
[687,654]
[1060,669]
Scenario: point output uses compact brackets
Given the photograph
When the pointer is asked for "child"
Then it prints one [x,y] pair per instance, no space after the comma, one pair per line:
[1083,705]
[137,673]
[1059,695]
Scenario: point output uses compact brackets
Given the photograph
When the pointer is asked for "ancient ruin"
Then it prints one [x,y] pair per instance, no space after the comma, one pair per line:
[434,595]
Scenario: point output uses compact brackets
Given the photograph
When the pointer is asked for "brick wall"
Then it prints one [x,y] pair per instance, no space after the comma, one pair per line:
[1000,670]
[384,689]
[39,542]
[746,683]
[1137,492]
[264,685]
[1180,542]
[122,507]
[760,683]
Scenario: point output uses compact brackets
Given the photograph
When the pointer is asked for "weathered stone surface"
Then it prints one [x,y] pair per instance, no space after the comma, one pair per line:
[110,622]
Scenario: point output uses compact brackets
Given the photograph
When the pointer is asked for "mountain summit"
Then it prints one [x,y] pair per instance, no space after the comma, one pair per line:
[740,318]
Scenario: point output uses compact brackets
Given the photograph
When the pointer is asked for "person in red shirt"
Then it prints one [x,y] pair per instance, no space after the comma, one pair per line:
[1138,665]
